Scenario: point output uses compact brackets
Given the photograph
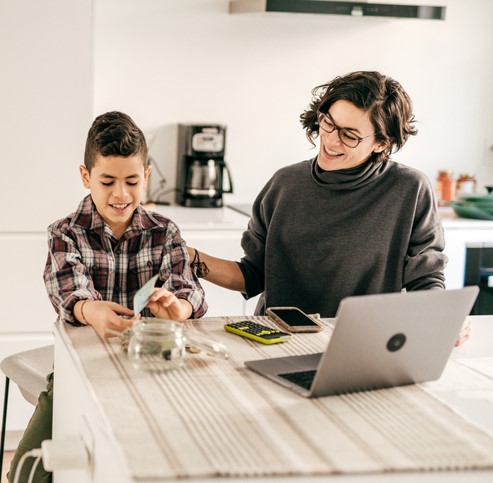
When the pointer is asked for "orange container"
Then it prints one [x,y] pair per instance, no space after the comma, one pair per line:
[445,186]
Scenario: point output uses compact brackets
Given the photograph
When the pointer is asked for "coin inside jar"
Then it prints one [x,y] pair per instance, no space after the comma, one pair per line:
[156,346]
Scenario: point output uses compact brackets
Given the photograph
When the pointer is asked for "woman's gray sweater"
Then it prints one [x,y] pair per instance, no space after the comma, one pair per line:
[317,236]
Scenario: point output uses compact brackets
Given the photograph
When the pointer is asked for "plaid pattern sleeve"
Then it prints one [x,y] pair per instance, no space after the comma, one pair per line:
[67,278]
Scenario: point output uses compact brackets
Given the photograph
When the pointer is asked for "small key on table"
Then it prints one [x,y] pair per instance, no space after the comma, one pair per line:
[257,332]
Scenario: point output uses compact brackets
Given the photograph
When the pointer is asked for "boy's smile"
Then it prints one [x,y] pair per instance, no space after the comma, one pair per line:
[117,184]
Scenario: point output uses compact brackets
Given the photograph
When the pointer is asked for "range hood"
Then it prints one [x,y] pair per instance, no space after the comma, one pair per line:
[359,9]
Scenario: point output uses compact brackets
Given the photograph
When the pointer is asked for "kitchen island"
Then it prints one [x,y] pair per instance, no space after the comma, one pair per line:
[214,418]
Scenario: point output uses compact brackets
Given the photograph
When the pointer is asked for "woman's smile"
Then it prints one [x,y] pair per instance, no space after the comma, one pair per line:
[332,153]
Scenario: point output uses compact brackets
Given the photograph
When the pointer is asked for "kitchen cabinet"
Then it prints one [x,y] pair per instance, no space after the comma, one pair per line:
[26,308]
[459,234]
[46,97]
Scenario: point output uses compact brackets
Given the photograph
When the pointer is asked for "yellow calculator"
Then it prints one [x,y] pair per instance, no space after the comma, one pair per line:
[257,332]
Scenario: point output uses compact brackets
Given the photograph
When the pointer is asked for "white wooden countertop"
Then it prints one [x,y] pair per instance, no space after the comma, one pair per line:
[451,221]
[202,218]
[235,217]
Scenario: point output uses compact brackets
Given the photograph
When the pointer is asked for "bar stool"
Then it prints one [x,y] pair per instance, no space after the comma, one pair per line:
[28,370]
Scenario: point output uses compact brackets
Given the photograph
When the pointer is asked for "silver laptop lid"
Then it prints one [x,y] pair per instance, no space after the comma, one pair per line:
[392,339]
[379,341]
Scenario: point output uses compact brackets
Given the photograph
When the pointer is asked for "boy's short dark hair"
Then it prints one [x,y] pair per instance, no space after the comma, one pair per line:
[389,106]
[114,134]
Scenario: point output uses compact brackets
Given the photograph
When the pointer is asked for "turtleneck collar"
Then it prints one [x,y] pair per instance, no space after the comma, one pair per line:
[348,179]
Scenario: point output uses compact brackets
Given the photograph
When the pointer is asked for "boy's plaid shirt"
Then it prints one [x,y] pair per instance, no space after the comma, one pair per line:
[86,261]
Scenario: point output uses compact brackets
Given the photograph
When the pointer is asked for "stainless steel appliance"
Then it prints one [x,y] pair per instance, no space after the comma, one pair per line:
[479,271]
[202,171]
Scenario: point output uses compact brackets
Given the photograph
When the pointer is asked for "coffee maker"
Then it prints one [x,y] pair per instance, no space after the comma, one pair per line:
[201,167]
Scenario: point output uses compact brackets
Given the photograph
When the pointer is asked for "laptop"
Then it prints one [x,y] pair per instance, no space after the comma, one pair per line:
[379,341]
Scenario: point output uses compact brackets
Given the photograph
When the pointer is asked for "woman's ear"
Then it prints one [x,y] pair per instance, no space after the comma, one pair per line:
[379,147]
[85,176]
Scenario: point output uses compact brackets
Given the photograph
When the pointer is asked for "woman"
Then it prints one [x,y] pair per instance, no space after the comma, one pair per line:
[350,221]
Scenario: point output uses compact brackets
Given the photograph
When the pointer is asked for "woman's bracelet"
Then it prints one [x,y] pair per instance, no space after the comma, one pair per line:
[84,321]
[200,268]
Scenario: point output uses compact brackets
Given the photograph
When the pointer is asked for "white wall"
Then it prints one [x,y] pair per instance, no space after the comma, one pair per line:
[45,92]
[165,62]
[46,107]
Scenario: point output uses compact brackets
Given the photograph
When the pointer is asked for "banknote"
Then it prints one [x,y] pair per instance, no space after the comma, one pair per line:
[141,298]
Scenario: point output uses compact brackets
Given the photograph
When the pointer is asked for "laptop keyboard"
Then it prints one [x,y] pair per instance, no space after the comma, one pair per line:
[303,379]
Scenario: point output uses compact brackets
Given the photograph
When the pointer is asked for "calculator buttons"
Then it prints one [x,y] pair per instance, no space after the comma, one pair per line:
[258,332]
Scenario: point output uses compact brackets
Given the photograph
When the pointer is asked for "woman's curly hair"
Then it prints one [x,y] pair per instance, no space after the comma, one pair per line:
[389,106]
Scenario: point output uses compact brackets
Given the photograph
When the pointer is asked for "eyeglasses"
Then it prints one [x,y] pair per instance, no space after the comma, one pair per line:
[347,137]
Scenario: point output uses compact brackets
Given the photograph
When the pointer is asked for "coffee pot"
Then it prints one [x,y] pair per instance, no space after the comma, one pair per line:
[202,175]
[205,178]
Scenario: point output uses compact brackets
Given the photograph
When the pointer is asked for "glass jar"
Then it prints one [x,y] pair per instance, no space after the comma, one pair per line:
[157,345]
[466,184]
[445,186]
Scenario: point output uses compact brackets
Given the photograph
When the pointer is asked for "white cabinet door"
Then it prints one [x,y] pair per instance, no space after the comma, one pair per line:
[456,243]
[25,304]
[222,244]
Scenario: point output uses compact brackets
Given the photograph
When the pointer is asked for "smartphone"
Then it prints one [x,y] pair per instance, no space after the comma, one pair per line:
[293,319]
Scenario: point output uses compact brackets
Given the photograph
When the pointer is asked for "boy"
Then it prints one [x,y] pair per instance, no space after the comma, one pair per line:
[103,253]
